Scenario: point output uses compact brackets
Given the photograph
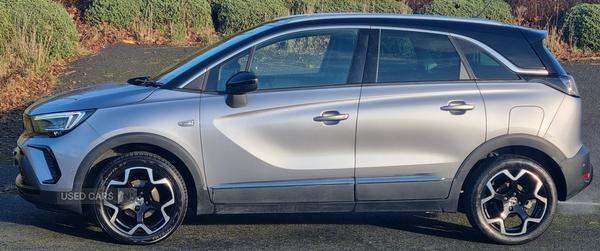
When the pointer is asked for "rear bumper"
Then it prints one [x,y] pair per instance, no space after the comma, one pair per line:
[574,170]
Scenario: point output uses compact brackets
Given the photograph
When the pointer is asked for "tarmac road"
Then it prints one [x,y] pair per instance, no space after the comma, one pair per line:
[23,226]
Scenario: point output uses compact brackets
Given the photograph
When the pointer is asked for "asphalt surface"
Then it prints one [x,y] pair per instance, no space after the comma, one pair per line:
[23,226]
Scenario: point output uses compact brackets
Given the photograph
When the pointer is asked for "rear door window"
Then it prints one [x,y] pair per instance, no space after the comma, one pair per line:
[406,56]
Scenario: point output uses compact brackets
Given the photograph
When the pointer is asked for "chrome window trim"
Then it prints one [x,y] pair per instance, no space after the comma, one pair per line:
[409,29]
[270,37]
[493,52]
[287,183]
[398,179]
[192,79]
[285,33]
[501,58]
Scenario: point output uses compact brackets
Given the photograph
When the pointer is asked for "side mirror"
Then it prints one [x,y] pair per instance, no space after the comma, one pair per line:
[237,86]
[242,82]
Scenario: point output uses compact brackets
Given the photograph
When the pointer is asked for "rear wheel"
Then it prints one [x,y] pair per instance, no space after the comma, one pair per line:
[144,198]
[512,200]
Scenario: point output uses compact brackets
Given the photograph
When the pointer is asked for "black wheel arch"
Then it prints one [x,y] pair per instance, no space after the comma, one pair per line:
[533,147]
[179,157]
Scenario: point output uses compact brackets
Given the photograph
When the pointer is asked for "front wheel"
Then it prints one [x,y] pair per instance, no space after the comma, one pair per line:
[512,200]
[144,198]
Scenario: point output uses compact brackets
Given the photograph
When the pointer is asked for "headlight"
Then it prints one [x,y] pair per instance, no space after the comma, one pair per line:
[57,124]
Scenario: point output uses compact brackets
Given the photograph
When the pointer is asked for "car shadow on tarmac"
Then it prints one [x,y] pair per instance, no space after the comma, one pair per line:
[21,215]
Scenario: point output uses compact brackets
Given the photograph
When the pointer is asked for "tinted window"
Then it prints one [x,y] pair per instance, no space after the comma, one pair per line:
[484,65]
[412,56]
[218,76]
[303,59]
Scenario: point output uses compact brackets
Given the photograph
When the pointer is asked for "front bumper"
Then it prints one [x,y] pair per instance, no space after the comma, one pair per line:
[48,166]
[29,189]
[574,170]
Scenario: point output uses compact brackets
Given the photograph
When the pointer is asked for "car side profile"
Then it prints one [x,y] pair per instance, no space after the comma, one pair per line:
[321,113]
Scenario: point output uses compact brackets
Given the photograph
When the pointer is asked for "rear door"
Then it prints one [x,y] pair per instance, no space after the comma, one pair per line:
[420,116]
[294,140]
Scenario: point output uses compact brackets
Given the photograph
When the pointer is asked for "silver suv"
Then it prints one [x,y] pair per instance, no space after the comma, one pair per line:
[321,113]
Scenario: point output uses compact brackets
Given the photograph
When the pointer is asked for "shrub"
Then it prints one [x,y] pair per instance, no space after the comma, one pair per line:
[41,22]
[191,14]
[174,17]
[497,10]
[337,6]
[538,13]
[457,8]
[384,6]
[416,4]
[237,15]
[120,13]
[230,16]
[340,6]
[5,26]
[582,24]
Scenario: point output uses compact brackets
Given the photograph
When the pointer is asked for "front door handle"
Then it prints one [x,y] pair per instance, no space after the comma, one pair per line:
[457,107]
[331,117]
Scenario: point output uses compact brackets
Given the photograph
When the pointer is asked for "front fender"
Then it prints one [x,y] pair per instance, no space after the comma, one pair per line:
[96,155]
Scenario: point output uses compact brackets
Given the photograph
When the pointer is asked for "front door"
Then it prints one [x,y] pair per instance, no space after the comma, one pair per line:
[294,140]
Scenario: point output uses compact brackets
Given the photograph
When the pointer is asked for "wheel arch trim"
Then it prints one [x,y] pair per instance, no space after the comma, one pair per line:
[94,157]
[504,141]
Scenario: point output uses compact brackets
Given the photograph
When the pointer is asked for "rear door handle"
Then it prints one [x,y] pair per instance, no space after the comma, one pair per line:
[457,107]
[465,107]
[331,117]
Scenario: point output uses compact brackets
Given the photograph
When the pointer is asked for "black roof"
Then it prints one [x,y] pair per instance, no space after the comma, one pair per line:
[513,42]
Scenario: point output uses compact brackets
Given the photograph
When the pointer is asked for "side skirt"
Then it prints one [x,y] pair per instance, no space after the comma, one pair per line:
[362,206]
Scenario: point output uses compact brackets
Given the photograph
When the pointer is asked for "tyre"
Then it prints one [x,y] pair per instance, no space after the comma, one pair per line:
[511,200]
[144,198]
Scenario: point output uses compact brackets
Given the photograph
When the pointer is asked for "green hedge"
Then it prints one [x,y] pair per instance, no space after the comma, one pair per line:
[582,23]
[47,20]
[231,16]
[497,10]
[386,6]
[338,6]
[5,27]
[120,13]
[236,15]
[171,16]
[194,14]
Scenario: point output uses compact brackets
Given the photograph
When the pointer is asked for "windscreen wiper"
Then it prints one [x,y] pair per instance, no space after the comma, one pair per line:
[144,81]
[148,82]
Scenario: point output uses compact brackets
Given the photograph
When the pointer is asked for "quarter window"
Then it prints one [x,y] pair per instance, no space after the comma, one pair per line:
[218,76]
[406,56]
[484,65]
